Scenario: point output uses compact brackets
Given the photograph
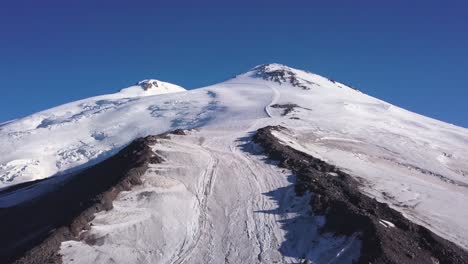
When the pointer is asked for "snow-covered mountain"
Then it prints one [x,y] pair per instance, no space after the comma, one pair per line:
[214,199]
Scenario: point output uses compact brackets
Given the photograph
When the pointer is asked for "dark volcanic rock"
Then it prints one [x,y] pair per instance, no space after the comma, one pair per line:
[348,211]
[281,75]
[288,108]
[179,132]
[61,207]
[148,84]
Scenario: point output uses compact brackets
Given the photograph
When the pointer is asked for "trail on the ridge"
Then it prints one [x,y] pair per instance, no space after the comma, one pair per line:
[204,190]
[227,221]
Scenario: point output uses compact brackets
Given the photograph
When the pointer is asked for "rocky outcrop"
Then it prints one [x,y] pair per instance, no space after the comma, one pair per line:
[148,84]
[287,108]
[281,74]
[386,235]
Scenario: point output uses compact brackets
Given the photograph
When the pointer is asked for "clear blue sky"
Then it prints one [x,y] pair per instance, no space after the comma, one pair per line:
[410,53]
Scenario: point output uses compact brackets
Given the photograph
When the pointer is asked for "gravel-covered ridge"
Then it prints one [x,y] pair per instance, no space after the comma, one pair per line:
[336,195]
[32,231]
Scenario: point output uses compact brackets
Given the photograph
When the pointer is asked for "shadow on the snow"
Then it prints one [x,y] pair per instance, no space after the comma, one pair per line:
[364,229]
[302,237]
[185,113]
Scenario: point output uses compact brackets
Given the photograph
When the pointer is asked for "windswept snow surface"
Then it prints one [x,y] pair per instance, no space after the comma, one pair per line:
[214,199]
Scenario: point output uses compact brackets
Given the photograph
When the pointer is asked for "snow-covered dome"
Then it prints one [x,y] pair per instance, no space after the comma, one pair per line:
[151,87]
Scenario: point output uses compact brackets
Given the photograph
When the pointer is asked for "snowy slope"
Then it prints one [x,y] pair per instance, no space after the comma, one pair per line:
[205,203]
[80,132]
[209,202]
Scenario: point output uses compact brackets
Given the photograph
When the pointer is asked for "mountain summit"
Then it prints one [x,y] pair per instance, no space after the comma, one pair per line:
[276,165]
[151,87]
[283,74]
